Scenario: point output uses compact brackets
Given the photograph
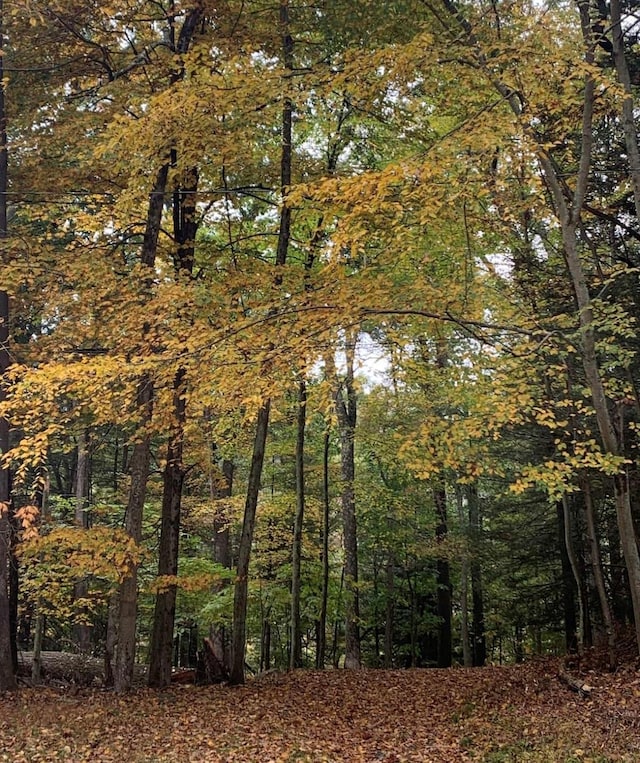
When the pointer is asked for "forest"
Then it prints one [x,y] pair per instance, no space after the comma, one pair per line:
[318,338]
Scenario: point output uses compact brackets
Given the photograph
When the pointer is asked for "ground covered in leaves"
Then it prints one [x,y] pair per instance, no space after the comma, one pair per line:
[495,715]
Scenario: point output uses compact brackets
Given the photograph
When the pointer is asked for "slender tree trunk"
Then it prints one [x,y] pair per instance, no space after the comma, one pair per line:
[413,646]
[38,638]
[238,642]
[335,654]
[568,586]
[603,416]
[218,635]
[296,560]
[346,409]
[7,675]
[479,642]
[221,534]
[161,649]
[596,562]
[140,456]
[467,652]
[324,599]
[620,595]
[573,562]
[111,639]
[389,614]
[443,581]
[568,213]
[568,205]
[128,595]
[82,631]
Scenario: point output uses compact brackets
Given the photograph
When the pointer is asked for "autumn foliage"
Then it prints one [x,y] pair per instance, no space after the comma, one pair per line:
[319,341]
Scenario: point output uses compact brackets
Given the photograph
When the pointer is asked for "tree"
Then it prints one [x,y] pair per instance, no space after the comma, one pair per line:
[262,422]
[7,673]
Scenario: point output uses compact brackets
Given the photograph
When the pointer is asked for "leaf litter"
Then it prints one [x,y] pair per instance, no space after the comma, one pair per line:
[493,714]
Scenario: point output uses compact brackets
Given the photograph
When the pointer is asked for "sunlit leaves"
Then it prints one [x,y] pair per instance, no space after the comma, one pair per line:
[54,561]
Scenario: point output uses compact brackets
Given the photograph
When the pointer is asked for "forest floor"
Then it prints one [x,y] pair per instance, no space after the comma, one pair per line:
[493,715]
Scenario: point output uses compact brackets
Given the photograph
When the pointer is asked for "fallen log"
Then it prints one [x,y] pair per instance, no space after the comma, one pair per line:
[575,684]
[72,668]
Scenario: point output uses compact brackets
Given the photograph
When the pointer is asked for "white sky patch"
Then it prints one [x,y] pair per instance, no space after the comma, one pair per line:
[372,362]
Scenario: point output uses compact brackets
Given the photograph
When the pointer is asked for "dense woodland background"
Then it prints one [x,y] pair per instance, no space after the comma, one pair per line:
[319,333]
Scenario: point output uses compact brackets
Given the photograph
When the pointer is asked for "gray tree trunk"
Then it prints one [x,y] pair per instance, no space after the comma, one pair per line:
[321,647]
[295,660]
[346,409]
[82,631]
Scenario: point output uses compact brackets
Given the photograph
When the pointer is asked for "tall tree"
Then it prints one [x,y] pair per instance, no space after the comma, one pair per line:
[262,422]
[296,578]
[185,227]
[140,457]
[139,465]
[7,675]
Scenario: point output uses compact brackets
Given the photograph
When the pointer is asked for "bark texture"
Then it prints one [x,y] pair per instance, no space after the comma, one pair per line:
[346,409]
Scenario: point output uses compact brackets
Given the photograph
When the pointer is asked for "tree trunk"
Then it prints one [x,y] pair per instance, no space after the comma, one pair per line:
[568,214]
[479,642]
[238,644]
[161,648]
[346,409]
[443,582]
[218,635]
[221,534]
[295,660]
[568,586]
[389,610]
[265,645]
[324,599]
[128,598]
[82,631]
[573,562]
[38,638]
[238,639]
[620,595]
[140,456]
[467,652]
[128,595]
[568,205]
[185,228]
[596,562]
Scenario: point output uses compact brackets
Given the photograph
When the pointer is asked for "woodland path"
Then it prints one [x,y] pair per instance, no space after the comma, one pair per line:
[495,715]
